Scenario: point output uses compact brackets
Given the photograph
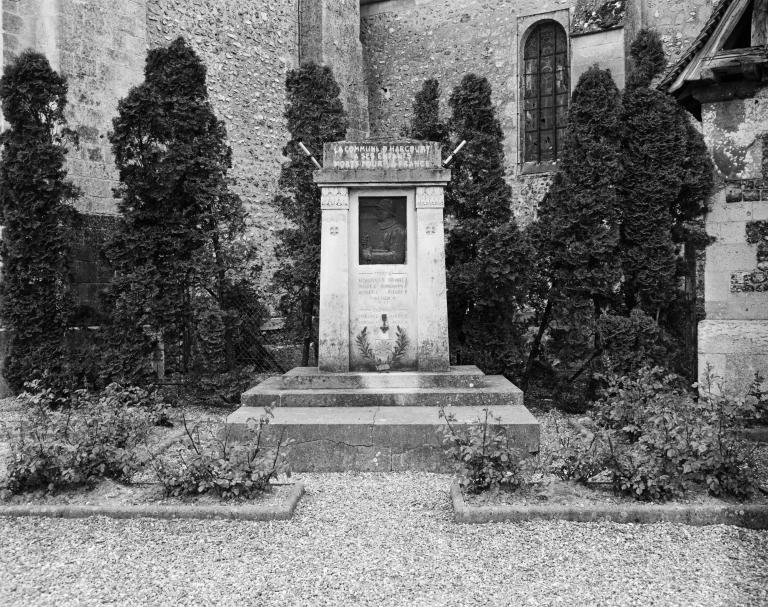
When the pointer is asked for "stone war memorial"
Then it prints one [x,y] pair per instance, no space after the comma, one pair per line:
[383,373]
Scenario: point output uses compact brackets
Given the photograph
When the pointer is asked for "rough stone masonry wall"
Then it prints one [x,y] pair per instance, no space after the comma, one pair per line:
[248,47]
[677,21]
[406,42]
[734,336]
[342,49]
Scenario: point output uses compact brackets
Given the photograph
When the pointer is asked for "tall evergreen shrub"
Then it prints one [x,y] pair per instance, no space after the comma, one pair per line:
[668,178]
[178,253]
[652,162]
[35,284]
[315,115]
[577,235]
[486,253]
[426,124]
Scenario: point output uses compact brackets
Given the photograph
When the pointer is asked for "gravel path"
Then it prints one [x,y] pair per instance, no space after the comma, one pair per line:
[377,539]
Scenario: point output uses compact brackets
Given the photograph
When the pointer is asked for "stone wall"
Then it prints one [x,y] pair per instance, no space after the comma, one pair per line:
[678,21]
[734,335]
[406,42]
[99,46]
[343,51]
[330,35]
[248,47]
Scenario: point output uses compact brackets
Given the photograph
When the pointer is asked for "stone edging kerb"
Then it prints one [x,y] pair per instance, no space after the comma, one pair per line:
[752,516]
[265,512]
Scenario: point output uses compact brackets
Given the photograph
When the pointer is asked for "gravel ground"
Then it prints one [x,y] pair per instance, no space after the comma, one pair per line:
[377,539]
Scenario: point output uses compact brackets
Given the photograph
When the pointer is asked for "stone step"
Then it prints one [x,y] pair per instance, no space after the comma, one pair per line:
[379,439]
[311,378]
[496,390]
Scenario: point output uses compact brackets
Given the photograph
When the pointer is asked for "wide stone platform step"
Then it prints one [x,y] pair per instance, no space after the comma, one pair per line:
[383,438]
[311,378]
[460,386]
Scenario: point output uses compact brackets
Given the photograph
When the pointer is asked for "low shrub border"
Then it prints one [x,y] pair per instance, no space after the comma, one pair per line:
[258,512]
[751,516]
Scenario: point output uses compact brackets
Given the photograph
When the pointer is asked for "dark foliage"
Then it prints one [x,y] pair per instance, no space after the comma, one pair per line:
[179,250]
[667,181]
[426,124]
[647,59]
[486,254]
[35,283]
[577,235]
[315,116]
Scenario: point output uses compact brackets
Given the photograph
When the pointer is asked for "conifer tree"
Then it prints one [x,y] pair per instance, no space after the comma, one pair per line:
[35,285]
[178,249]
[486,254]
[315,115]
[426,124]
[654,136]
[668,180]
[577,235]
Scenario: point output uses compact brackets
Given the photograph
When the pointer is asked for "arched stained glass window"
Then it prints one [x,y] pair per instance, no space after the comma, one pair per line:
[546,88]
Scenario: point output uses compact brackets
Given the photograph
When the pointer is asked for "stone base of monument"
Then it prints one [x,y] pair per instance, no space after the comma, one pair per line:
[381,421]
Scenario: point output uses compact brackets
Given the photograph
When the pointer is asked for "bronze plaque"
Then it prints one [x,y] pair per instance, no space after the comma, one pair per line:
[383,230]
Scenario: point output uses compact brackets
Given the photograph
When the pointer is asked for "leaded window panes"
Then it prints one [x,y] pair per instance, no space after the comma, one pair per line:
[545,94]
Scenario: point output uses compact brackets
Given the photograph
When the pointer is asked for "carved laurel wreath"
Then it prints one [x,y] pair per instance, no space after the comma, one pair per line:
[401,345]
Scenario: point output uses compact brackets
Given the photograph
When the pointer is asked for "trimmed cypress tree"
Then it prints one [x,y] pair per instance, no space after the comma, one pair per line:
[35,286]
[315,115]
[426,124]
[668,180]
[577,234]
[486,254]
[178,249]
[654,136]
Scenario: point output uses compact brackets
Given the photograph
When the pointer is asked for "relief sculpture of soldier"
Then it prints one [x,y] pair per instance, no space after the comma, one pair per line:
[388,245]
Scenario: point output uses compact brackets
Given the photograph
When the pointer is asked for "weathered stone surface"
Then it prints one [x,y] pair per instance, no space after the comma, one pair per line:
[735,350]
[495,390]
[311,378]
[248,48]
[333,344]
[379,438]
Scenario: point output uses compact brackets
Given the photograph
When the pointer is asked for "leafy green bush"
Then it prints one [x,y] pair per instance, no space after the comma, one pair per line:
[483,457]
[217,464]
[94,438]
[657,441]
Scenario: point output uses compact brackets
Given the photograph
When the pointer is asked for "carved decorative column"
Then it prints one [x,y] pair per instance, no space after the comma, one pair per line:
[333,346]
[432,349]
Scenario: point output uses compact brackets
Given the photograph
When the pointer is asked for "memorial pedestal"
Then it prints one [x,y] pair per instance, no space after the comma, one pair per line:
[383,360]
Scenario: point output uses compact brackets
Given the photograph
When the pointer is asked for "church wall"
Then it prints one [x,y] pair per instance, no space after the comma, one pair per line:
[248,47]
[343,51]
[734,336]
[677,21]
[406,42]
